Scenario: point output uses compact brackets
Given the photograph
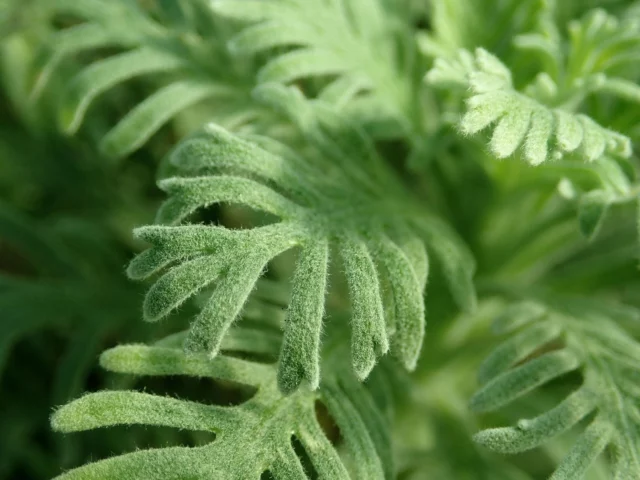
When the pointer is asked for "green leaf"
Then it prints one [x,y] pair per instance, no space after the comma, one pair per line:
[517,348]
[251,438]
[407,300]
[508,386]
[329,39]
[301,344]
[517,315]
[173,244]
[345,413]
[322,454]
[287,465]
[376,424]
[105,74]
[135,129]
[232,291]
[164,361]
[188,194]
[530,433]
[369,338]
[182,282]
[161,463]
[265,36]
[319,204]
[457,262]
[606,352]
[521,121]
[72,41]
[249,10]
[185,67]
[302,63]
[103,409]
[584,452]
[622,88]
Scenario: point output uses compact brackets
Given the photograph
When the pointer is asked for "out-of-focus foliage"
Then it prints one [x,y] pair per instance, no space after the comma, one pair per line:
[307,184]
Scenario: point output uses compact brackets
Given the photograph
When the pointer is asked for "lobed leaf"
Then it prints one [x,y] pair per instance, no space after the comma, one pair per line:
[366,461]
[323,456]
[172,244]
[230,294]
[103,409]
[318,205]
[520,120]
[251,438]
[517,315]
[457,262]
[409,305]
[327,39]
[161,463]
[72,41]
[605,353]
[301,64]
[188,68]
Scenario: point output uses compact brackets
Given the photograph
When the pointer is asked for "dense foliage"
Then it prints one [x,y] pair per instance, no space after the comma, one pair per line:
[369,239]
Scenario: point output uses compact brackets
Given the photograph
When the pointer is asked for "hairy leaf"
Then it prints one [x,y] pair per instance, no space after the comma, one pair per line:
[251,438]
[193,70]
[329,202]
[329,38]
[605,352]
[521,121]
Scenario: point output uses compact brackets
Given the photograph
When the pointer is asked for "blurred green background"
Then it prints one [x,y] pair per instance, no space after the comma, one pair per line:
[66,215]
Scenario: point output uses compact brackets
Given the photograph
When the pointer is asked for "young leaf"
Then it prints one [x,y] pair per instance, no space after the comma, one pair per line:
[521,121]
